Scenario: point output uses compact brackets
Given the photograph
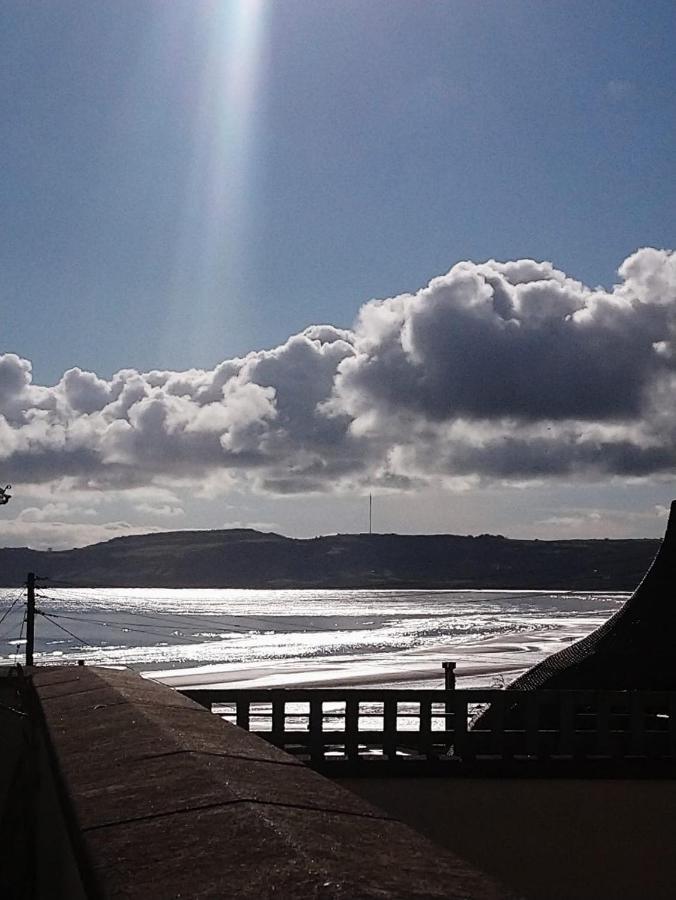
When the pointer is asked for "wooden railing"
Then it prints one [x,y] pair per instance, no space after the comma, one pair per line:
[457,730]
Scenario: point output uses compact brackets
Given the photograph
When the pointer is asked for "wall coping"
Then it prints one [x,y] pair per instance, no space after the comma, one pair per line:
[165,799]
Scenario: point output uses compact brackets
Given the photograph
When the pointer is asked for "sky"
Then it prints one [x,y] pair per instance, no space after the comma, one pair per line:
[260,259]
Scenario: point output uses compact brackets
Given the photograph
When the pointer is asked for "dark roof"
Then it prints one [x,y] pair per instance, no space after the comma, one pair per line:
[636,647]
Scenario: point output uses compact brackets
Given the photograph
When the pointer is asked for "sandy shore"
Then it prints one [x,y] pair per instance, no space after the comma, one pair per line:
[483,663]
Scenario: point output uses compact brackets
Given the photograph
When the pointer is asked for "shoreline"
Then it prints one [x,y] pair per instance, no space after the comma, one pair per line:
[479,663]
[413,678]
[240,640]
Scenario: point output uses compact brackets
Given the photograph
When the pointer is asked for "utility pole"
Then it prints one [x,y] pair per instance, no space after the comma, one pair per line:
[30,618]
[370,512]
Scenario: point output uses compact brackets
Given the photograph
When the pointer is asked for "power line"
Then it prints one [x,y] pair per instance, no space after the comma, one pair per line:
[131,626]
[9,629]
[58,583]
[52,616]
[195,618]
[178,630]
[23,623]
[6,633]
[8,611]
[63,628]
[113,623]
[13,597]
[108,624]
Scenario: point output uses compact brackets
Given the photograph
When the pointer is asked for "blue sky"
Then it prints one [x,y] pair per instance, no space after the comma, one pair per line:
[184,182]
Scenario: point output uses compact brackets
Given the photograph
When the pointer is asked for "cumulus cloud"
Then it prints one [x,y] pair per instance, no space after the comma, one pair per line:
[494,371]
[600,523]
[62,534]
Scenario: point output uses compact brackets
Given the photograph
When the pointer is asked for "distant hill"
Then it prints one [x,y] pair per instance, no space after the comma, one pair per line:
[247,558]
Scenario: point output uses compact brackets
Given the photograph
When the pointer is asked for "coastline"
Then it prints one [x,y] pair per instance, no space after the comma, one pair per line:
[248,639]
[480,663]
[413,678]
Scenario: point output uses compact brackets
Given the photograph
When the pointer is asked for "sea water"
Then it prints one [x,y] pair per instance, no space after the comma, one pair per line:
[266,638]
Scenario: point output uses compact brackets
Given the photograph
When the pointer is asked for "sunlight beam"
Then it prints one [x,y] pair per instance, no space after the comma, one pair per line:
[215,230]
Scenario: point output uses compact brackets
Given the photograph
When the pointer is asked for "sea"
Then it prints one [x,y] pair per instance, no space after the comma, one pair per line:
[301,638]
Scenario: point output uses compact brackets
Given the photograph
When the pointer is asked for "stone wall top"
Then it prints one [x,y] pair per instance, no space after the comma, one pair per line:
[170,801]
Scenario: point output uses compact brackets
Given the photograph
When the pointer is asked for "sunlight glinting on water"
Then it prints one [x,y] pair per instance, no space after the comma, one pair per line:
[288,636]
[327,602]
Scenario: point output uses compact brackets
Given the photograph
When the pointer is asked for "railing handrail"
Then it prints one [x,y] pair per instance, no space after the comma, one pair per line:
[456,727]
[471,695]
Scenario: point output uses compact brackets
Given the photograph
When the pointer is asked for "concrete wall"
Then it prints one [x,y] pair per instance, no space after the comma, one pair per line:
[13,732]
[162,799]
[37,856]
[546,839]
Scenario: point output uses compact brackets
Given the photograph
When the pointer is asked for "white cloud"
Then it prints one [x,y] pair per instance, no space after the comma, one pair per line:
[599,523]
[162,512]
[62,535]
[509,372]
